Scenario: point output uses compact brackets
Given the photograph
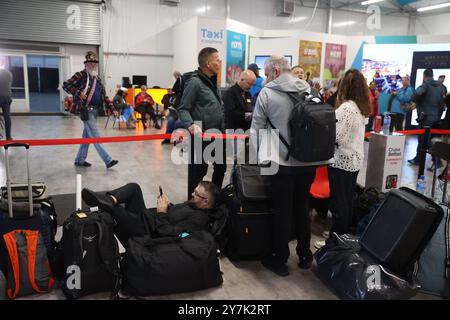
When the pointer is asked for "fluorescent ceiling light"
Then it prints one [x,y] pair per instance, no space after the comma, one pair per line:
[365,3]
[436,6]
[203,9]
[298,19]
[344,24]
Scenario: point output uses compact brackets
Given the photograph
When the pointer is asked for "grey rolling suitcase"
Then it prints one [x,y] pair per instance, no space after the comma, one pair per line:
[433,268]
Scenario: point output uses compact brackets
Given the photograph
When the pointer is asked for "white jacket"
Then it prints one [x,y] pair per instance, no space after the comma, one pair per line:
[350,130]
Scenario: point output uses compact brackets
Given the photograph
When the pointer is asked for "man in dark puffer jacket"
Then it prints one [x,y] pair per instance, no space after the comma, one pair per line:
[126,205]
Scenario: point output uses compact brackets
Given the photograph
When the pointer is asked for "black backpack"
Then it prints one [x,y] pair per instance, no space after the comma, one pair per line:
[365,203]
[313,129]
[184,78]
[88,242]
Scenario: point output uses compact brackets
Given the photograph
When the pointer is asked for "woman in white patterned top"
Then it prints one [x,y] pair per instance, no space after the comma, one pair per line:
[353,108]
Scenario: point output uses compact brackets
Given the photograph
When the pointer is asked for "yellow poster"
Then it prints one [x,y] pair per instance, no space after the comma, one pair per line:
[309,58]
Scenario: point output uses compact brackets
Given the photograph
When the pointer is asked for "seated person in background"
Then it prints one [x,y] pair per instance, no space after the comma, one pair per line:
[173,122]
[144,105]
[123,108]
[168,220]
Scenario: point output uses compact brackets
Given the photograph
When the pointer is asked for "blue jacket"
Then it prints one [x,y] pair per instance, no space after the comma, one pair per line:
[257,87]
[403,96]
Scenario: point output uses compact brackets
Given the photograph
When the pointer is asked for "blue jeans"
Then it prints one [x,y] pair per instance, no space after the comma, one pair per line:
[91,131]
[173,124]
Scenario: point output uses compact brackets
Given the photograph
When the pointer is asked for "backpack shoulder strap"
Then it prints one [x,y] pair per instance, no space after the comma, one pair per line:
[78,229]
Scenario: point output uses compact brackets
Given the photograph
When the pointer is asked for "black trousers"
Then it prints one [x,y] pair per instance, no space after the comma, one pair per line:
[421,137]
[397,122]
[342,189]
[196,172]
[369,125]
[144,109]
[5,104]
[290,193]
[129,212]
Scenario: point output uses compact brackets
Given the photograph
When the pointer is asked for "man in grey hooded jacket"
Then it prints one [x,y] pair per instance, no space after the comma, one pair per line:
[291,184]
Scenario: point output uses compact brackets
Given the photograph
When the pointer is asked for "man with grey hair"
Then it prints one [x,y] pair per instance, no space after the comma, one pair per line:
[291,184]
[237,102]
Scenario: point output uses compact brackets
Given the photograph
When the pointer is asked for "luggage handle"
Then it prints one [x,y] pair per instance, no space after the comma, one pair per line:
[16,144]
[8,178]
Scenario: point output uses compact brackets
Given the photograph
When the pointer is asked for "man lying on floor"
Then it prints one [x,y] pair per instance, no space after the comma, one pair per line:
[126,205]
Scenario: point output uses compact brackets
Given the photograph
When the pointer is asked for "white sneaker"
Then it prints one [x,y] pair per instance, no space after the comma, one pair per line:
[326,234]
[319,244]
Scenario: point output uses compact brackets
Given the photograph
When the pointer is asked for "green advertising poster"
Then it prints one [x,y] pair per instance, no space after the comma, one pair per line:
[236,45]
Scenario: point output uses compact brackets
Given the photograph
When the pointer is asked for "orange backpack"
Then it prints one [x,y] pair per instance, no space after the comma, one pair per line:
[28,266]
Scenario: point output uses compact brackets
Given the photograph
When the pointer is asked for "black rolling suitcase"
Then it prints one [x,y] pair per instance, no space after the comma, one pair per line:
[32,212]
[27,234]
[250,215]
[401,228]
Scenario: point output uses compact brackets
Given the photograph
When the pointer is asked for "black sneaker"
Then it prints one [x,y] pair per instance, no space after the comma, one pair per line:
[165,141]
[413,161]
[157,126]
[83,164]
[96,199]
[112,164]
[276,267]
[305,260]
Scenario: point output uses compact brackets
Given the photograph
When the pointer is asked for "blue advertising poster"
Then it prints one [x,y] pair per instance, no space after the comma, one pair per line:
[236,44]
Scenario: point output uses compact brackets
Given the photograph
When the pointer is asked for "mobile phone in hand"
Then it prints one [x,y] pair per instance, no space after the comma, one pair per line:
[160,191]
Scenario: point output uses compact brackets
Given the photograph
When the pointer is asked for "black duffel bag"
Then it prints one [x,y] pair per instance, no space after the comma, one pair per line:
[353,275]
[170,265]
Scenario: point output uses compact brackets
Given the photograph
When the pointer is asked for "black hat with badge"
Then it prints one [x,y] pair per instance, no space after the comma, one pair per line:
[91,57]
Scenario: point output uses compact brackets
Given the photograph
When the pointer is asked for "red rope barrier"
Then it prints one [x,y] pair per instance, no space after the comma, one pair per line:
[411,132]
[442,132]
[77,141]
[150,137]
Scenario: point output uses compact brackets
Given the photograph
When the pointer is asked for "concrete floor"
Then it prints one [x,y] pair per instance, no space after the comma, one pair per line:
[148,164]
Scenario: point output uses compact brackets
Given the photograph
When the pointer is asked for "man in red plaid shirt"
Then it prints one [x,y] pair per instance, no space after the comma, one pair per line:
[88,96]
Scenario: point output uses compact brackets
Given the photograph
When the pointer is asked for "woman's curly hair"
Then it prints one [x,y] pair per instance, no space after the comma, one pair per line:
[353,86]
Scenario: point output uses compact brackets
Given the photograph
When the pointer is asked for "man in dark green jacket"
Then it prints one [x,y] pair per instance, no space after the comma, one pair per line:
[201,109]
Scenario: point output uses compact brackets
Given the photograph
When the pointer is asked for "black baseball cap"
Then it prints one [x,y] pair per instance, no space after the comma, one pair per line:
[253,67]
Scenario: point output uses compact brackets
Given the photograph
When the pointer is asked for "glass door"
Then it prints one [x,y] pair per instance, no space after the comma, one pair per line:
[16,63]
[44,83]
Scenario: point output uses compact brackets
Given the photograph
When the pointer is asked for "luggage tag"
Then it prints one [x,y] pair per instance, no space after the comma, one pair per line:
[81,215]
